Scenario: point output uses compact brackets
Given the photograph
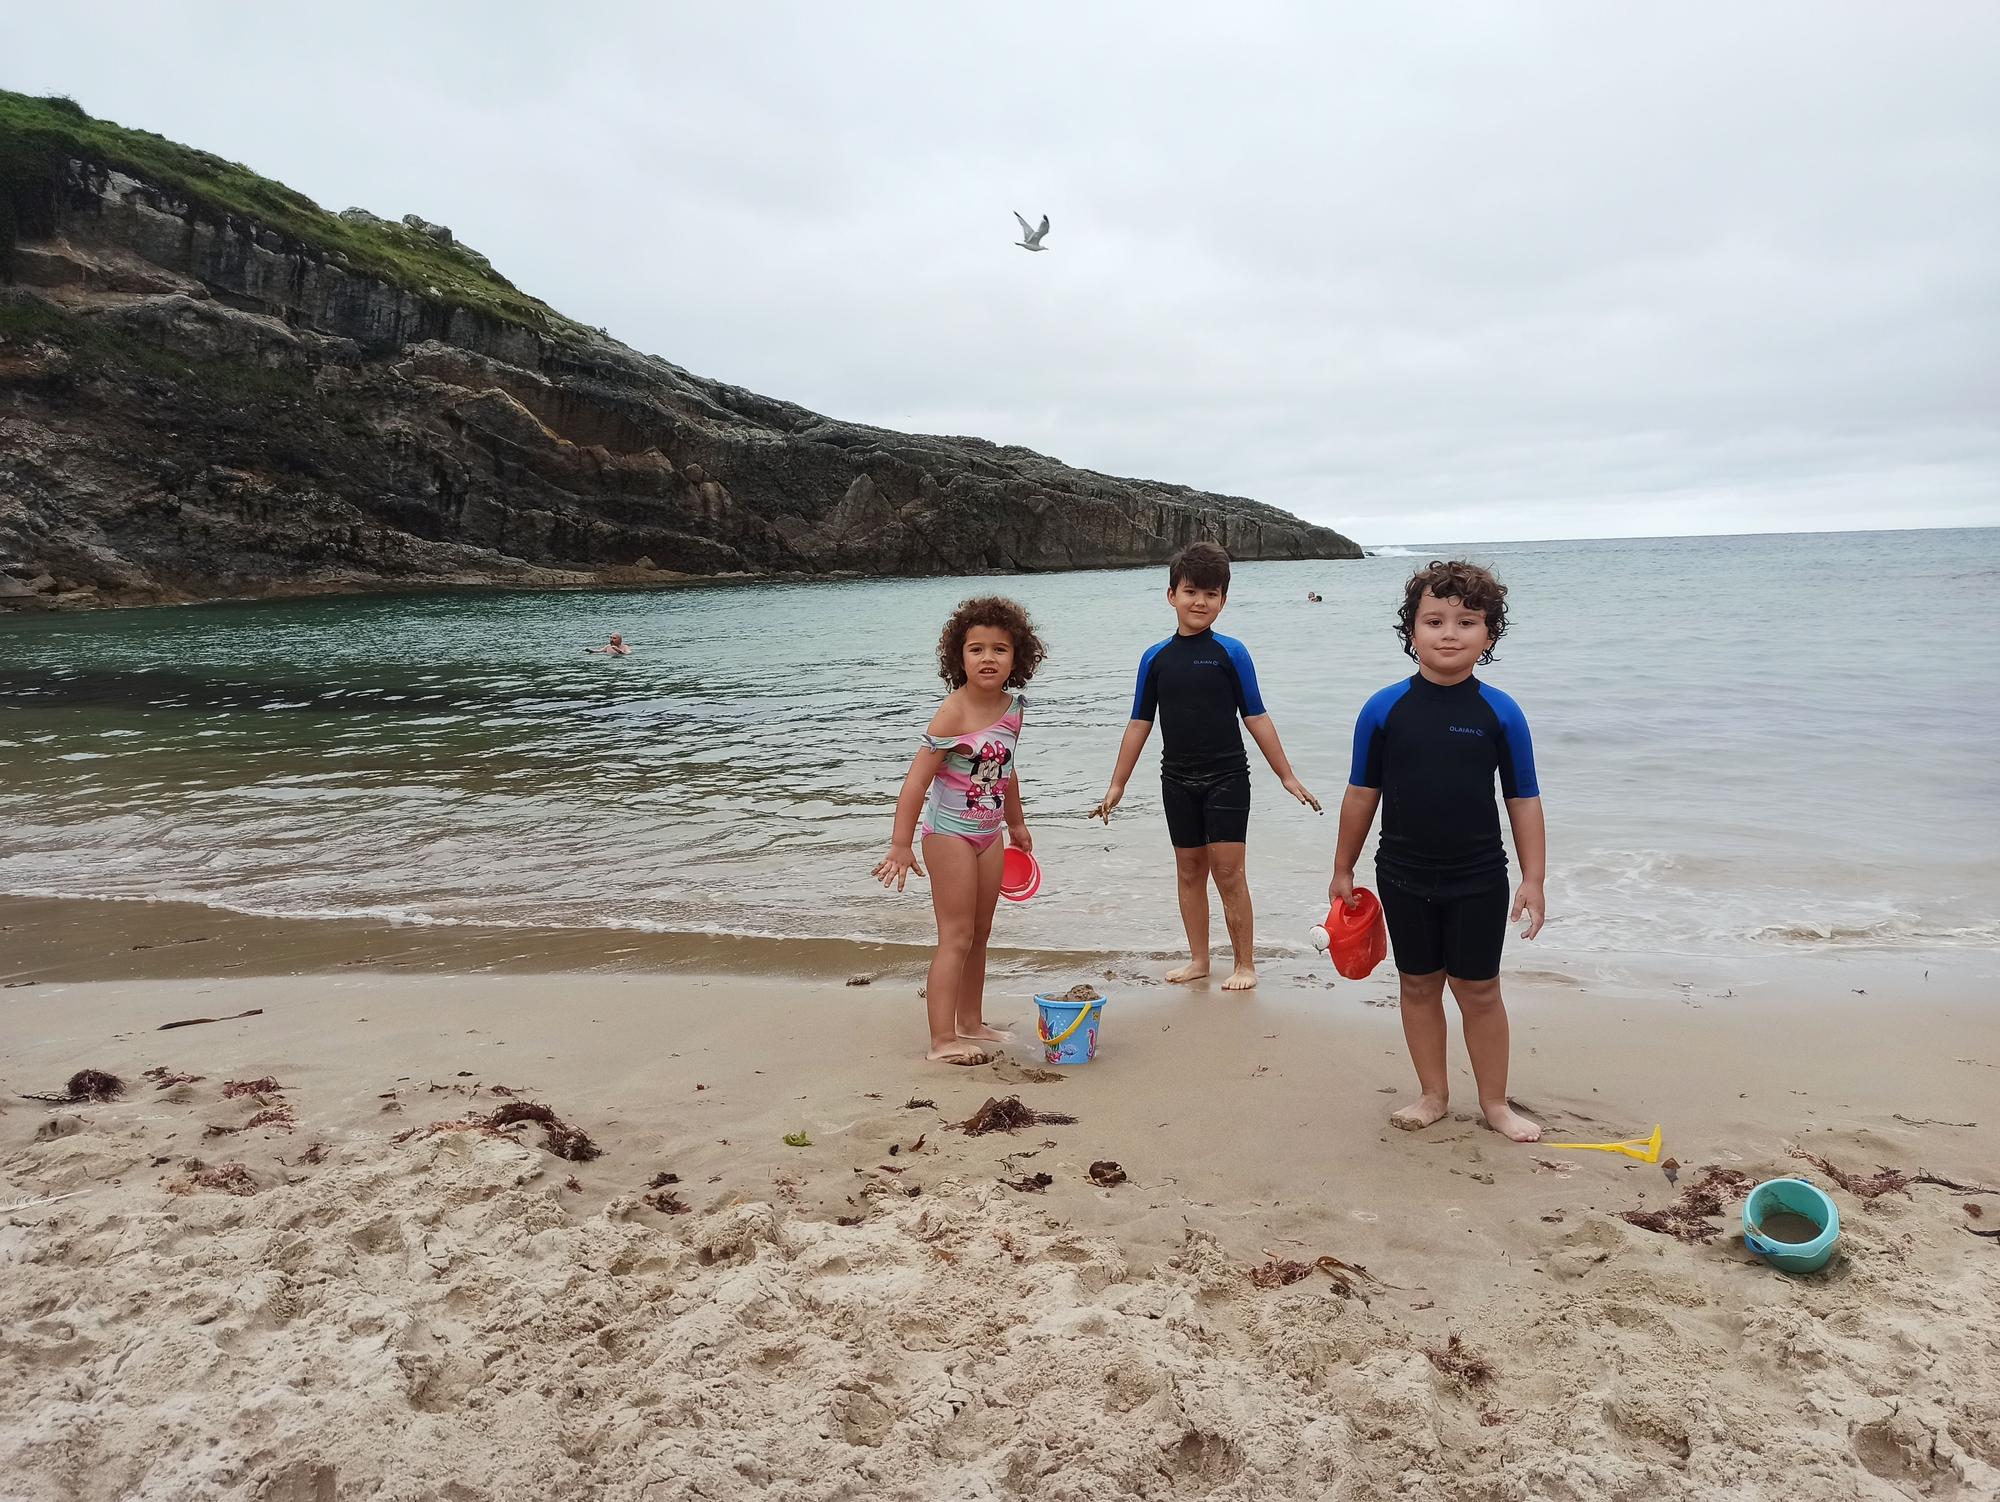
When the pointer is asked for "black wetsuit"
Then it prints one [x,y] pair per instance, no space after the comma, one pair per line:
[1199,685]
[1434,751]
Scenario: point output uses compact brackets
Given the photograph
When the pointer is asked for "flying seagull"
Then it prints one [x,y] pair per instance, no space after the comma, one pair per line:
[1031,239]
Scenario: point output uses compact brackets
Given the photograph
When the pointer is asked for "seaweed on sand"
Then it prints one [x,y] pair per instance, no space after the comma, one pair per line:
[1010,1115]
[1884,1180]
[1460,1362]
[230,1178]
[1280,1273]
[85,1084]
[559,1137]
[1687,1218]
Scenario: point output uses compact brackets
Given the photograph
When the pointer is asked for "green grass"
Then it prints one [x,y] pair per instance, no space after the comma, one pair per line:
[37,136]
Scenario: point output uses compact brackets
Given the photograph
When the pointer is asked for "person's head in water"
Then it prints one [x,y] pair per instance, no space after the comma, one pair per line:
[1452,617]
[1198,585]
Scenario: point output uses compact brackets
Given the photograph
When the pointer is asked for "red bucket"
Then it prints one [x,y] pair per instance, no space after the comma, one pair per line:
[1020,874]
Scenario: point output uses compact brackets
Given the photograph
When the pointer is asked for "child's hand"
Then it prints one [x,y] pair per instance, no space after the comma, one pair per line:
[1298,790]
[897,865]
[1529,900]
[1113,796]
[1341,889]
[1019,838]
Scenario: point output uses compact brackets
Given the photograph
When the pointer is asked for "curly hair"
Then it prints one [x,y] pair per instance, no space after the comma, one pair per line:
[999,612]
[1469,584]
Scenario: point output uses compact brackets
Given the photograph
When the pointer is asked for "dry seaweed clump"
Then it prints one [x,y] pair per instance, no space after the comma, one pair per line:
[1280,1272]
[1884,1180]
[229,1178]
[1687,1218]
[559,1137]
[1010,1115]
[85,1085]
[231,1089]
[1460,1362]
[164,1078]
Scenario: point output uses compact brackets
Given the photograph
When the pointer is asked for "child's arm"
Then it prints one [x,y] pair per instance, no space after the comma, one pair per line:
[1531,845]
[1265,734]
[1357,813]
[1017,818]
[1128,758]
[894,868]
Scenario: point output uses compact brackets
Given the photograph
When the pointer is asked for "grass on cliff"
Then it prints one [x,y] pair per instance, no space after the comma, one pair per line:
[102,347]
[38,136]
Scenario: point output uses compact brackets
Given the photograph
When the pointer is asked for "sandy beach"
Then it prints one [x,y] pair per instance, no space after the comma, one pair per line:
[370,1294]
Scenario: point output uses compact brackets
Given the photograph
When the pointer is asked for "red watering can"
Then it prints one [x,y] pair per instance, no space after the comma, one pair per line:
[1356,936]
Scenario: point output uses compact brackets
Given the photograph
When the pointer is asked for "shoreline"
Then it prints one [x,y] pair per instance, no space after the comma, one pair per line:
[810,1327]
[80,939]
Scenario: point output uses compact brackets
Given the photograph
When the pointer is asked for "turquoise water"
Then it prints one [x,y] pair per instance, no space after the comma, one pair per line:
[1746,744]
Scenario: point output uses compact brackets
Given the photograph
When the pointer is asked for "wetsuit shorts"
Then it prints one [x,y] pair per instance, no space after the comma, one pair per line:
[1462,936]
[1215,811]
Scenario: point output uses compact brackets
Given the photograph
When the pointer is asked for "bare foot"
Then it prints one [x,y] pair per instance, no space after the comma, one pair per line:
[1192,970]
[1242,978]
[963,1053]
[984,1034]
[1419,1114]
[1510,1123]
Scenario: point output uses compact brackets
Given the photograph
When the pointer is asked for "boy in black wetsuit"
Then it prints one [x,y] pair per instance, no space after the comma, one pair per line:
[1200,682]
[1427,750]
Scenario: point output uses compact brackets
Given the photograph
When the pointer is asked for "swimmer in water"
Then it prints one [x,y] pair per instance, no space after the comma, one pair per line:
[615,648]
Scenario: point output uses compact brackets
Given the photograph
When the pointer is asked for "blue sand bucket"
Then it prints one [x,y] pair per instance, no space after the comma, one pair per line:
[1068,1029]
[1802,1199]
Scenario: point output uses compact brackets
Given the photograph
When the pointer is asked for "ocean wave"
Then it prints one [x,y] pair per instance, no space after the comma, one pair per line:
[1896,932]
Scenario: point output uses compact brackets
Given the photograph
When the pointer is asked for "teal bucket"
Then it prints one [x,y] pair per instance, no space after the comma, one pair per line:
[1068,1029]
[1776,1196]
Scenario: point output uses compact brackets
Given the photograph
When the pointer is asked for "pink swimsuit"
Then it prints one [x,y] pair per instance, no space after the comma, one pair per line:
[969,794]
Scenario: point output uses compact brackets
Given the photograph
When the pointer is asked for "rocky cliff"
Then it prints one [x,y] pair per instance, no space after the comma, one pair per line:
[210,387]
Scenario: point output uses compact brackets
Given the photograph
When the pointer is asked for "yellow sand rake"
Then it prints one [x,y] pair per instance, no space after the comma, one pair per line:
[1645,1149]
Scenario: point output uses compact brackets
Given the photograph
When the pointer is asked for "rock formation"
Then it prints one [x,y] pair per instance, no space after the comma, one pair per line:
[210,387]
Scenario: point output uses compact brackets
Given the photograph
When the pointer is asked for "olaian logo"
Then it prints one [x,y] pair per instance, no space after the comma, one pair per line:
[1466,730]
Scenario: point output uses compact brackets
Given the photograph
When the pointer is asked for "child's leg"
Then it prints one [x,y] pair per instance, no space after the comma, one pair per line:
[954,873]
[1475,931]
[1424,1036]
[970,1020]
[1486,1040]
[1191,877]
[1226,865]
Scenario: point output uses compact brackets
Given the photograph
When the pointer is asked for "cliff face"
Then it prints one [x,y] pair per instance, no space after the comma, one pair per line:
[196,402]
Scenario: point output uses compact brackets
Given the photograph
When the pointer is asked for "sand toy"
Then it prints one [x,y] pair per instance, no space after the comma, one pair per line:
[1645,1149]
[1356,937]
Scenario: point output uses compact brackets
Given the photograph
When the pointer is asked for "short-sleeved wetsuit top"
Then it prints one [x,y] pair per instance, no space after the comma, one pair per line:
[1199,685]
[1433,751]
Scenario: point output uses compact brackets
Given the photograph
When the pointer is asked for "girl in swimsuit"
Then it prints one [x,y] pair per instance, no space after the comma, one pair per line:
[964,784]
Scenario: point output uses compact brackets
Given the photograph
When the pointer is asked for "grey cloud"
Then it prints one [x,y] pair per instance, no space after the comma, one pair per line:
[1450,271]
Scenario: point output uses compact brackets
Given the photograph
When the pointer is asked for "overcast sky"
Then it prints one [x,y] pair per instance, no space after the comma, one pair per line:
[1426,273]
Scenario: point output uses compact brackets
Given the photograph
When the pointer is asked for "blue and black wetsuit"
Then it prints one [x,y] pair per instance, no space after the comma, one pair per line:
[1434,750]
[1199,685]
